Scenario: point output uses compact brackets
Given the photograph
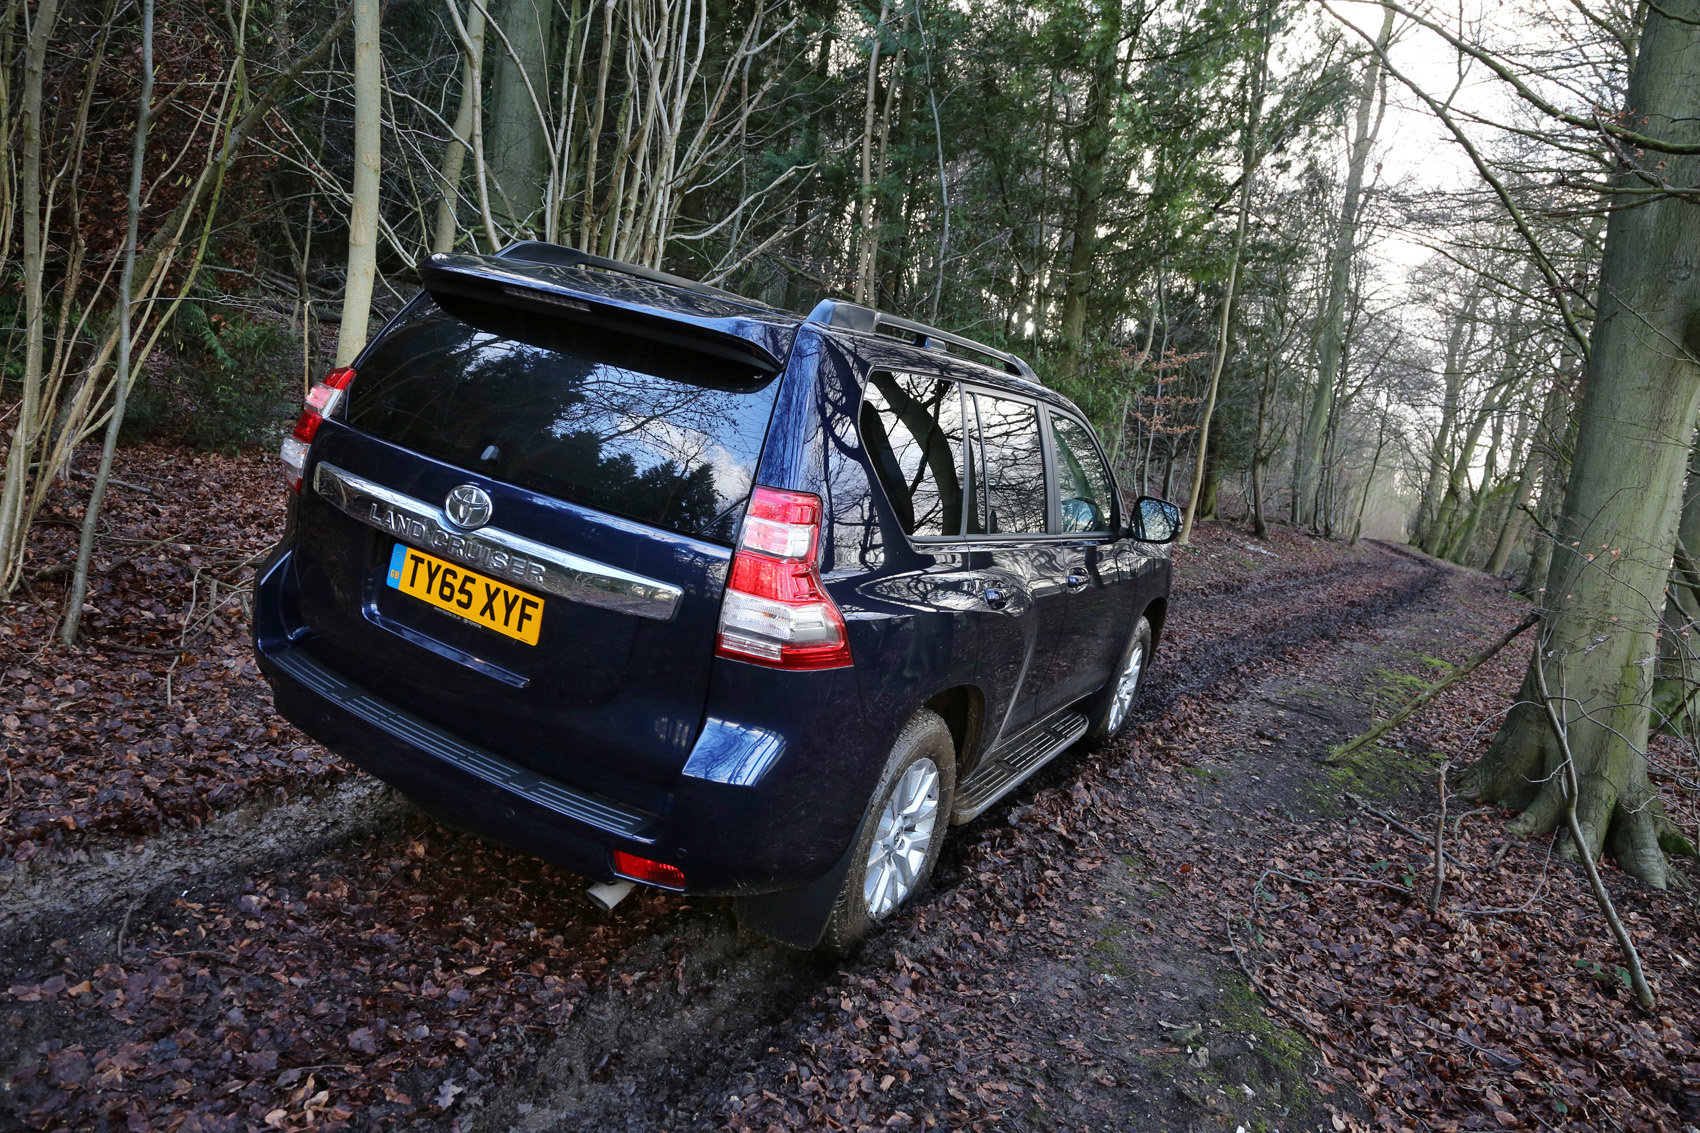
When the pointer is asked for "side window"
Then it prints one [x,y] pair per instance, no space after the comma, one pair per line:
[912,429]
[1084,487]
[1015,466]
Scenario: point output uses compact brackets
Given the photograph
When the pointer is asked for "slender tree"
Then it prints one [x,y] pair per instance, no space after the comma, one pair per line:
[1372,100]
[71,621]
[363,216]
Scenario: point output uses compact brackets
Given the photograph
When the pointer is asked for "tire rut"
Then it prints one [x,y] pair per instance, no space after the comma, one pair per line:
[677,1057]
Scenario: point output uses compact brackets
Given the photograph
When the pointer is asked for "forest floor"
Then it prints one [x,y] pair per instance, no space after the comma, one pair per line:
[207,922]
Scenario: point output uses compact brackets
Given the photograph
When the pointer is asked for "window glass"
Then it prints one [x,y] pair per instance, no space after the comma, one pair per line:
[912,429]
[1015,466]
[976,509]
[1084,488]
[609,420]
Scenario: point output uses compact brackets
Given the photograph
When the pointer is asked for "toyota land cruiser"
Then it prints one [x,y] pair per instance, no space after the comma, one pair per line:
[672,587]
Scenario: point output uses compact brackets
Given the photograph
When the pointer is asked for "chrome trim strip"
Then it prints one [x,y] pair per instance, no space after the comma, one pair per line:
[503,554]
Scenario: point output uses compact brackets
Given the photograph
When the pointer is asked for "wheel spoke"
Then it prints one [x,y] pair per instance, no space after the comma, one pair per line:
[902,838]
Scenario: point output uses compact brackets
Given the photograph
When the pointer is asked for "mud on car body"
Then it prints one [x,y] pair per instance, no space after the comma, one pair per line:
[668,586]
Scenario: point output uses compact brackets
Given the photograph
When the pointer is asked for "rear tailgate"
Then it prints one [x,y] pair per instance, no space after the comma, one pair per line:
[615,468]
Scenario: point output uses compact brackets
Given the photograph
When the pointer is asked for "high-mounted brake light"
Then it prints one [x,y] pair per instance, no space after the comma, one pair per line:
[776,612]
[322,401]
[634,868]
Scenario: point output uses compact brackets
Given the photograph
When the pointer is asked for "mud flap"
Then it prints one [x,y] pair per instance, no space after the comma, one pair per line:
[797,916]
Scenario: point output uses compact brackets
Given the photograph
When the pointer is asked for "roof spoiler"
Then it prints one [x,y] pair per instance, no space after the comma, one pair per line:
[559,255]
[866,320]
[527,276]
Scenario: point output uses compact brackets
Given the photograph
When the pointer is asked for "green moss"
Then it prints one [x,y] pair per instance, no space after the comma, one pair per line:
[1374,772]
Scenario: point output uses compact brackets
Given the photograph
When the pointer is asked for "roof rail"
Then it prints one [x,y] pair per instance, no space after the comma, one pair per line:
[558,255]
[854,316]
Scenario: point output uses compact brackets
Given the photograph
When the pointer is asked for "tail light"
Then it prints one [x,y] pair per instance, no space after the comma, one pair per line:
[776,612]
[634,868]
[323,400]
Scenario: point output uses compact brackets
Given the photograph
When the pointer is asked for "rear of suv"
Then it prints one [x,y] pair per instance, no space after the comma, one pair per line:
[668,586]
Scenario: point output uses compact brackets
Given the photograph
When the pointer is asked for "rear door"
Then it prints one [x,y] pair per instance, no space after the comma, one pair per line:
[1013,511]
[598,473]
[1097,622]
[922,436]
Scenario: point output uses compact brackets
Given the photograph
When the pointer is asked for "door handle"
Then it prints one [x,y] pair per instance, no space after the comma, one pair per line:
[995,597]
[1076,580]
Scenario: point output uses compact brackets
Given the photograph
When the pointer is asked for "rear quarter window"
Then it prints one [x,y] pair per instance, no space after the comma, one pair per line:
[912,428]
[622,424]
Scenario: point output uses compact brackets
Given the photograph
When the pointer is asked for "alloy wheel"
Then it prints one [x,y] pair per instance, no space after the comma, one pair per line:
[1127,684]
[903,838]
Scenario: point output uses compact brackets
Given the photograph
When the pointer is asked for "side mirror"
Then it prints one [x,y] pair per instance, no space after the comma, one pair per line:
[1156,521]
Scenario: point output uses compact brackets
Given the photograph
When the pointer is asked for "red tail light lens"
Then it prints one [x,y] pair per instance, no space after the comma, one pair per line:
[323,400]
[776,612]
[634,868]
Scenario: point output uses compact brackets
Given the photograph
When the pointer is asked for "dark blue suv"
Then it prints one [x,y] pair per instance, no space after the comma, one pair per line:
[668,586]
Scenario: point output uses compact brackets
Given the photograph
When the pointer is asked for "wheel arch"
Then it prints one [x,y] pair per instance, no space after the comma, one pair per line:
[963,709]
[1155,613]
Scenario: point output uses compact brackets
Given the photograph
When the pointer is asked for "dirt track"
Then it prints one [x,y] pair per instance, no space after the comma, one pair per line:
[342,959]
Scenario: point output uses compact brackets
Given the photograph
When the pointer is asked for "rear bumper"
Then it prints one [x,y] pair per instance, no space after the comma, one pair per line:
[761,805]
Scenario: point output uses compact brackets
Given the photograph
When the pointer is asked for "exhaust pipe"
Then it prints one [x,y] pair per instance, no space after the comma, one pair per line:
[607,896]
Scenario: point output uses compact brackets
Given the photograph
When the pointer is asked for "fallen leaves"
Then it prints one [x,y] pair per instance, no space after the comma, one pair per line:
[161,718]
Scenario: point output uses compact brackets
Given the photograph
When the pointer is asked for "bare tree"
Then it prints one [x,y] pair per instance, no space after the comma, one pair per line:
[363,216]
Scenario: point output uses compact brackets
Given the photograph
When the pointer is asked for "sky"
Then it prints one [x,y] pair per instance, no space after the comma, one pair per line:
[1413,146]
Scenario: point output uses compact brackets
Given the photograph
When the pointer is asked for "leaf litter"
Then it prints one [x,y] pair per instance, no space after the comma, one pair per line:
[393,983]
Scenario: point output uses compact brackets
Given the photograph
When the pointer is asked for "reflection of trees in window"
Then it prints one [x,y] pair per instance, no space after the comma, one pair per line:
[1015,466]
[607,421]
[1083,478]
[912,427]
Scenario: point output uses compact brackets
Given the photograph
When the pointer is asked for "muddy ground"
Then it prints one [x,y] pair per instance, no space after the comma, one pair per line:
[308,951]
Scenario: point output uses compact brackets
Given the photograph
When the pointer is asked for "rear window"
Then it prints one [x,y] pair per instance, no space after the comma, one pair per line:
[612,421]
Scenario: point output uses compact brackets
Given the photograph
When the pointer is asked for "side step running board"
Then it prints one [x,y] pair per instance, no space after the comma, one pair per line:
[1009,766]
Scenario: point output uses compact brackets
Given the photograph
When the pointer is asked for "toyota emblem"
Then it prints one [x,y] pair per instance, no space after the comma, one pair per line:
[468,506]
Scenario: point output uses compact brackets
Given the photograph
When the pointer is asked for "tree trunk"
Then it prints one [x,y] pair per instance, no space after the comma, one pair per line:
[1339,280]
[1369,480]
[363,216]
[1511,531]
[454,154]
[865,239]
[1442,536]
[1622,502]
[1094,148]
[13,529]
[1480,498]
[1259,452]
[1557,439]
[72,618]
[1457,347]
[1210,490]
[1678,679]
[518,144]
[1202,480]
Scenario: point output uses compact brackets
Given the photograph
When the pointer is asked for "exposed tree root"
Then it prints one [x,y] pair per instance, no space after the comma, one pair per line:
[1617,811]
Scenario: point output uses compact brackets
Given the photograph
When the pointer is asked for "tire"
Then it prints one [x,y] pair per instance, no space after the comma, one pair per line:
[1111,709]
[867,896]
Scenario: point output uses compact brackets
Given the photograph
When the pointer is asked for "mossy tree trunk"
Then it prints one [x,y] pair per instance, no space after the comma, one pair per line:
[1606,584]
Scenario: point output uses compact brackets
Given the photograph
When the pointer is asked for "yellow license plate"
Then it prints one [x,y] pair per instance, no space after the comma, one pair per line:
[465,593]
